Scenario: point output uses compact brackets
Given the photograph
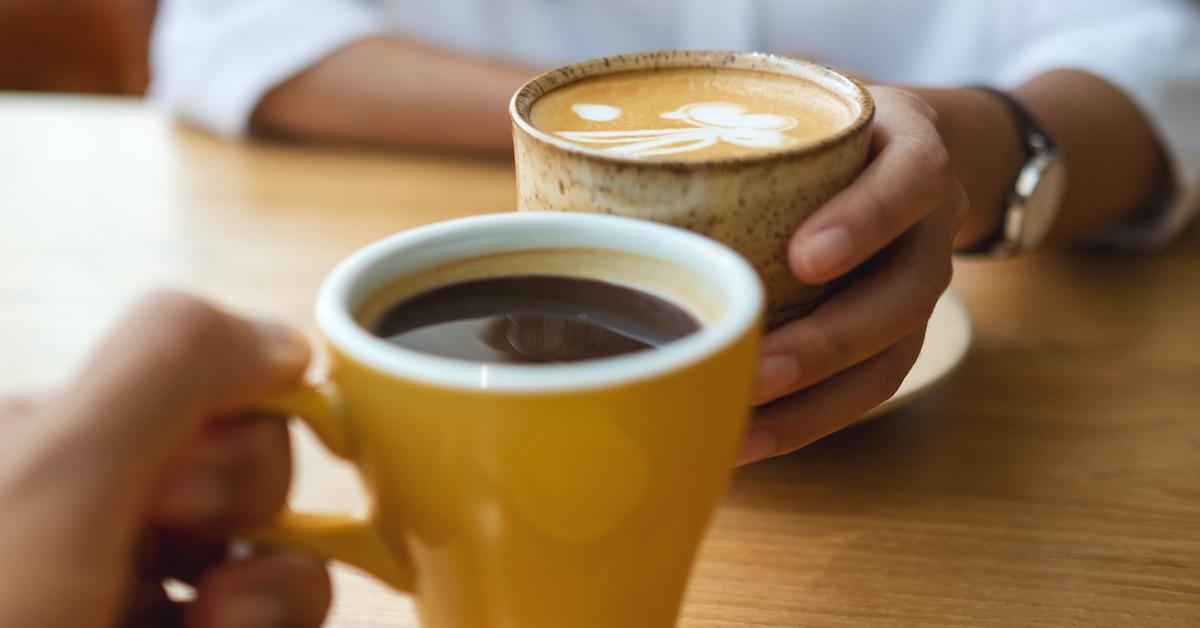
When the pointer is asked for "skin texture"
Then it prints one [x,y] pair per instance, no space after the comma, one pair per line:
[944,161]
[137,470]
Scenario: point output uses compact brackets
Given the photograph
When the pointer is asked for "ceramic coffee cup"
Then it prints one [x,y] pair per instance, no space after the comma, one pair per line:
[532,495]
[752,203]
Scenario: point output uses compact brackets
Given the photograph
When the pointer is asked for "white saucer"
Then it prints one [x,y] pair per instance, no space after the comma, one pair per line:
[946,342]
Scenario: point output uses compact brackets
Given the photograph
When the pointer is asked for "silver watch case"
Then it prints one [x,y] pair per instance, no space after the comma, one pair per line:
[1034,201]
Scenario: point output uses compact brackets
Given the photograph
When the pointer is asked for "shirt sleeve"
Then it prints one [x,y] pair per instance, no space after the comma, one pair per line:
[1150,49]
[213,60]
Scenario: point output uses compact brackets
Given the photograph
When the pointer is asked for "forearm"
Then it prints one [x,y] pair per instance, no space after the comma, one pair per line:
[1115,163]
[385,90]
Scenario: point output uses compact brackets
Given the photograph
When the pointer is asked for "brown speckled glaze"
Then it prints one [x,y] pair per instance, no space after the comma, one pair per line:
[752,203]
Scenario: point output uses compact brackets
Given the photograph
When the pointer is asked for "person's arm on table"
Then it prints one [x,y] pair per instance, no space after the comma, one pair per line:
[384,90]
[324,70]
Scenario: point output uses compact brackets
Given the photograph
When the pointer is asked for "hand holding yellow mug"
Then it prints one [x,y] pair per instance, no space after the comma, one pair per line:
[532,495]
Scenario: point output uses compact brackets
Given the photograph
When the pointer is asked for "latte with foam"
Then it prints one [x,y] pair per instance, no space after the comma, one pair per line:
[739,146]
[691,113]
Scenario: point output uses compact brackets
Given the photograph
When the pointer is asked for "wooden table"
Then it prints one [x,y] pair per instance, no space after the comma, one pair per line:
[1053,480]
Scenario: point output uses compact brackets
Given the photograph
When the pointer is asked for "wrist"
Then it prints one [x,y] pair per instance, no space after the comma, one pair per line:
[985,152]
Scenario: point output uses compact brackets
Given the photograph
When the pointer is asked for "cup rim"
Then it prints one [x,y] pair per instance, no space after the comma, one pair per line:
[521,103]
[425,247]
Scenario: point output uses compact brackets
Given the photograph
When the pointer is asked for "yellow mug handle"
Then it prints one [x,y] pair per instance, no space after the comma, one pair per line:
[353,541]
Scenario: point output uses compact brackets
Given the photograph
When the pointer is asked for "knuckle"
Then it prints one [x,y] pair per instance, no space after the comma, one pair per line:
[828,348]
[960,204]
[925,109]
[936,281]
[270,438]
[185,324]
[930,286]
[258,435]
[915,316]
[943,171]
[942,274]
[261,467]
[934,159]
[898,368]
[913,103]
[878,213]
[928,163]
[817,351]
[16,406]
[947,275]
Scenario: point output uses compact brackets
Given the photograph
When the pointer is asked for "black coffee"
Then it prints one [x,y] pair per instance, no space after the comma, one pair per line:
[533,319]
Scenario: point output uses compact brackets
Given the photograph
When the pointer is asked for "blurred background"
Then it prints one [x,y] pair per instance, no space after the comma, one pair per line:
[93,46]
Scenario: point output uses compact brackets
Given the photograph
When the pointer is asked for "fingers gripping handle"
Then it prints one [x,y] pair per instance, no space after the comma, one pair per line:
[336,537]
[320,407]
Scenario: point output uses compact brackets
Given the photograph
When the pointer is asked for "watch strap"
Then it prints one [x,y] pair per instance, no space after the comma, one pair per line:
[1033,137]
[1032,140]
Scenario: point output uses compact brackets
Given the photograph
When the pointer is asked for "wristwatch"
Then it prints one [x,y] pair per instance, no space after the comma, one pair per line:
[1034,201]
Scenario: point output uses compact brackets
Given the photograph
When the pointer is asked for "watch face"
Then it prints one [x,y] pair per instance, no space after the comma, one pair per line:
[1041,185]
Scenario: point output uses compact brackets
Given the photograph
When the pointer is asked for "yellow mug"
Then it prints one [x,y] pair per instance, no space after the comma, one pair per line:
[569,495]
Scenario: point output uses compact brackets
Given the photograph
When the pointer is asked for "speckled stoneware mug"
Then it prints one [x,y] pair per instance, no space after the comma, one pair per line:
[752,201]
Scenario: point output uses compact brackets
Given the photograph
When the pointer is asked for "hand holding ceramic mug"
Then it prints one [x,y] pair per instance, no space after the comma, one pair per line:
[821,373]
[740,147]
[136,471]
[802,184]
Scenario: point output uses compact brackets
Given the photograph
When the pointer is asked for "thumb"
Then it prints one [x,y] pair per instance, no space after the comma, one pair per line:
[173,360]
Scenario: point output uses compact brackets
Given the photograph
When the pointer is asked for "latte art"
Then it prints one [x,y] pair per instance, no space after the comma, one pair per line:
[596,113]
[690,113]
[711,123]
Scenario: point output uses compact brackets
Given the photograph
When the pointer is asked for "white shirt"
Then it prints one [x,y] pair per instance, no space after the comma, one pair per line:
[212,60]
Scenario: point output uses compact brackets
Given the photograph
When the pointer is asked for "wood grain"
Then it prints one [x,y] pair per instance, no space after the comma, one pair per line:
[1053,480]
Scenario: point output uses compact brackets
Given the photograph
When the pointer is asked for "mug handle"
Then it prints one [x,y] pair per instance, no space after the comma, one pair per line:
[356,542]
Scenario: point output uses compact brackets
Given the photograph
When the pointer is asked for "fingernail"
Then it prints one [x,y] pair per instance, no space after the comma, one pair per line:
[251,609]
[197,494]
[757,445]
[283,345]
[824,251]
[776,374]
